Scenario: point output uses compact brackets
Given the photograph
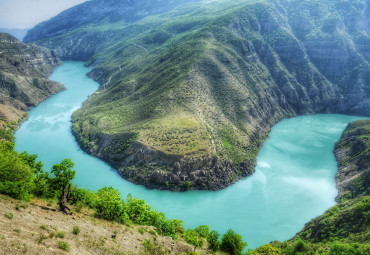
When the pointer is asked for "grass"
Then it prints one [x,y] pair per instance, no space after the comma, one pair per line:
[60,234]
[9,215]
[76,230]
[64,246]
[181,134]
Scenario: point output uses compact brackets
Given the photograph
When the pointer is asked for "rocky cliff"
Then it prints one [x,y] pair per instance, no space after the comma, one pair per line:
[353,156]
[204,82]
[24,71]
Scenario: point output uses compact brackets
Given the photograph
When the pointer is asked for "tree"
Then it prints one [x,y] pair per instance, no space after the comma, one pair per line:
[16,176]
[232,243]
[63,175]
[213,242]
[109,205]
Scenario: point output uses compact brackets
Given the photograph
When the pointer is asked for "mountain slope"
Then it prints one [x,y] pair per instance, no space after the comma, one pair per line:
[24,71]
[187,96]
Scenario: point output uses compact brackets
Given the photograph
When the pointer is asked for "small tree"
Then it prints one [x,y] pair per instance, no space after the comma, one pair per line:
[213,242]
[109,205]
[232,243]
[63,175]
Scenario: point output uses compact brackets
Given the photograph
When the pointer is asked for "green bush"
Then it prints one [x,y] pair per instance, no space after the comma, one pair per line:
[202,231]
[213,242]
[76,230]
[232,243]
[9,215]
[109,205]
[16,176]
[60,234]
[64,246]
[192,237]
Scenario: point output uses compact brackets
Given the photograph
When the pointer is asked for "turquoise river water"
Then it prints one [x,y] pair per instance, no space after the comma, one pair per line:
[294,179]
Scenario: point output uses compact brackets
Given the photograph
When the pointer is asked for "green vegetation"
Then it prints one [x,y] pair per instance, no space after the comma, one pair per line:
[106,202]
[16,174]
[76,230]
[64,246]
[232,243]
[9,215]
[60,234]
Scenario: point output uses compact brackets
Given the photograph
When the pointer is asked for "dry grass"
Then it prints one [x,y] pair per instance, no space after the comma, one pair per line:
[33,230]
[180,134]
[10,113]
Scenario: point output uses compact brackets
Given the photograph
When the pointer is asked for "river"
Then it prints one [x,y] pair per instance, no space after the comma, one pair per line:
[294,179]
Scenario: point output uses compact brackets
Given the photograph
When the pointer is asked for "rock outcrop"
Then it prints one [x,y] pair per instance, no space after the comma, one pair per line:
[353,155]
[24,71]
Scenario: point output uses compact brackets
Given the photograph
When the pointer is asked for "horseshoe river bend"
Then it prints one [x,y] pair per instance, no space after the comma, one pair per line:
[294,178]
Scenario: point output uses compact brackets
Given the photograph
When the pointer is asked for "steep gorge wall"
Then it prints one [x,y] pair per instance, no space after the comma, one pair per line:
[24,71]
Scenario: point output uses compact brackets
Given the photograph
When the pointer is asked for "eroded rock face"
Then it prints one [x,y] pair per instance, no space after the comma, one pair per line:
[24,71]
[155,169]
[353,155]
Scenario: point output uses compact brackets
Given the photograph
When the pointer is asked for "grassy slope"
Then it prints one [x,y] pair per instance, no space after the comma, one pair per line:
[35,226]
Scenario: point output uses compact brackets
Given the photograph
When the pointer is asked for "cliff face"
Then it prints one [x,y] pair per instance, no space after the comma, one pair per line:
[353,156]
[203,83]
[24,71]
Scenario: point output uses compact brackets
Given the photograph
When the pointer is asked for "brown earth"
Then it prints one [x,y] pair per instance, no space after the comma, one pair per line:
[35,226]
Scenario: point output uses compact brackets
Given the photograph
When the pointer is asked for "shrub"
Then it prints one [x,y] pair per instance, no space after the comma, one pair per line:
[64,246]
[202,231]
[187,185]
[213,242]
[267,249]
[43,227]
[109,205]
[232,243]
[150,248]
[76,230]
[9,215]
[299,246]
[41,238]
[60,234]
[16,176]
[192,237]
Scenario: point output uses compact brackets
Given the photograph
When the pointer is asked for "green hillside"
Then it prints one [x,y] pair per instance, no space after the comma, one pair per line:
[187,96]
